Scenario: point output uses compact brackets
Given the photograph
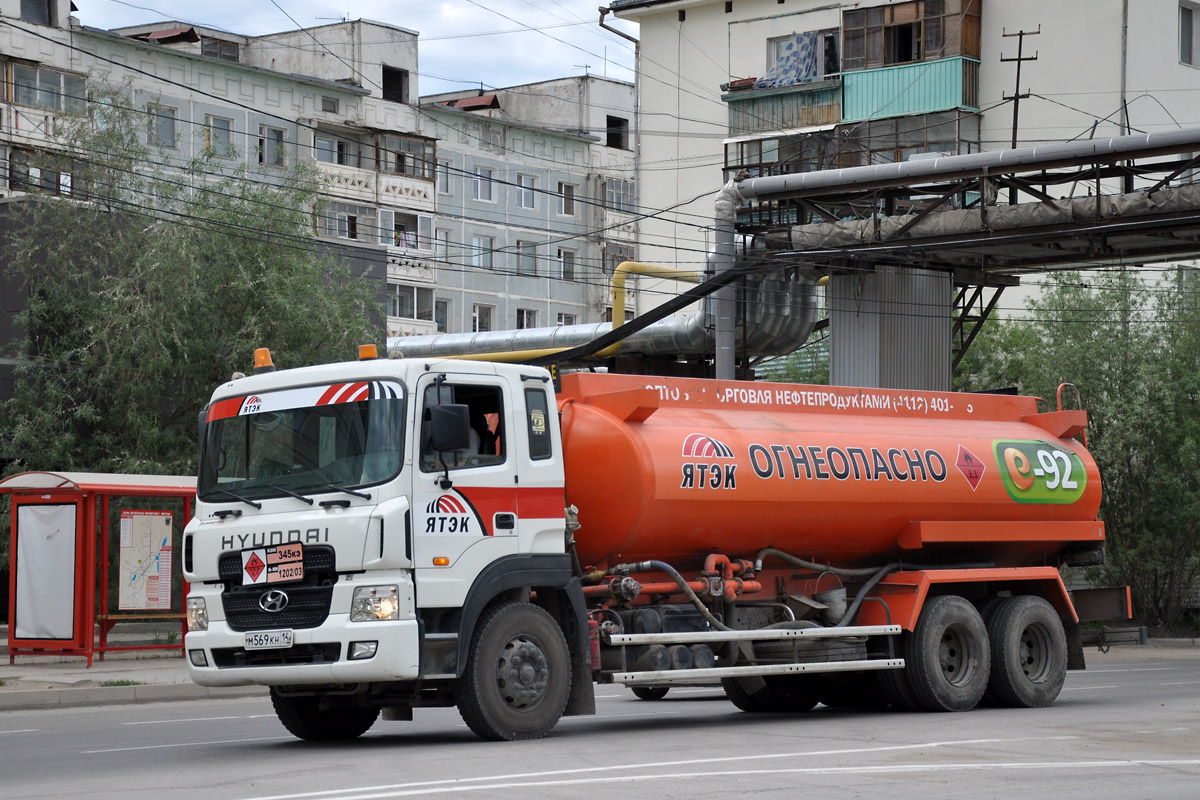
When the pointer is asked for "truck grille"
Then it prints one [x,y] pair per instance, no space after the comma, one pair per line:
[300,654]
[308,600]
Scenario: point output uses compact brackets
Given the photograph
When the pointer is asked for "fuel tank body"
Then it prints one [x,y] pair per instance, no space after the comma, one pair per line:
[675,469]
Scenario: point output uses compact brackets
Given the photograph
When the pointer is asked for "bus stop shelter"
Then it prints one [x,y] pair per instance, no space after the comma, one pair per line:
[60,553]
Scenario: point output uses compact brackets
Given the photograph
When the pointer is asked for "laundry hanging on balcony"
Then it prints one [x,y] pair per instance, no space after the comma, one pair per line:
[796,61]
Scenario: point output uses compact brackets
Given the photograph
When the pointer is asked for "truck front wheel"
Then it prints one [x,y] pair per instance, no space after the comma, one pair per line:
[306,719]
[518,674]
[1029,653]
[947,656]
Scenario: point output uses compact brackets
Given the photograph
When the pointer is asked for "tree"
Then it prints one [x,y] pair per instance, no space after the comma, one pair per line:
[1133,350]
[149,285]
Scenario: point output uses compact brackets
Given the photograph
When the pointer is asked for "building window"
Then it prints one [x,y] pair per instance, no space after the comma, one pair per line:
[395,84]
[218,135]
[403,155]
[800,57]
[481,318]
[329,104]
[483,184]
[619,195]
[617,133]
[441,315]
[566,264]
[526,318]
[48,88]
[270,146]
[39,12]
[1189,45]
[527,258]
[443,177]
[346,221]
[407,230]
[482,248]
[42,173]
[333,150]
[913,31]
[566,199]
[442,246]
[410,302]
[219,48]
[614,255]
[567,319]
[526,197]
[162,125]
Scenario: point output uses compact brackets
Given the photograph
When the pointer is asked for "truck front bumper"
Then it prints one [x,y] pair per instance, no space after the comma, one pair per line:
[317,655]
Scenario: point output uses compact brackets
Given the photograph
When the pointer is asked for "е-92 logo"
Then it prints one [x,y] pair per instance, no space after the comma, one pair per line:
[1039,472]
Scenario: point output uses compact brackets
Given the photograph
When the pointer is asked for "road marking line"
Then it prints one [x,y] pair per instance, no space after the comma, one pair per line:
[186,744]
[459,783]
[191,719]
[1179,683]
[896,769]
[1085,688]
[22,730]
[597,717]
[1130,669]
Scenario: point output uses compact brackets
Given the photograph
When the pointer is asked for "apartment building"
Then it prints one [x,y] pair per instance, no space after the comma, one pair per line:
[432,201]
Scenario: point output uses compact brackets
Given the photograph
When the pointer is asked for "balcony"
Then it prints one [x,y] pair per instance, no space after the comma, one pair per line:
[918,88]
[803,105]
[373,187]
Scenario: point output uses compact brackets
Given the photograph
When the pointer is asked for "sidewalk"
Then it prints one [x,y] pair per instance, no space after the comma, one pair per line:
[146,676]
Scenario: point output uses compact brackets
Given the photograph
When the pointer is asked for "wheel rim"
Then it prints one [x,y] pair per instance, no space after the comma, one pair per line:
[522,673]
[956,656]
[1036,653]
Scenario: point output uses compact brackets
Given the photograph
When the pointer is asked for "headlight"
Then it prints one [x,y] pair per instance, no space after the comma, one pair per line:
[197,614]
[374,603]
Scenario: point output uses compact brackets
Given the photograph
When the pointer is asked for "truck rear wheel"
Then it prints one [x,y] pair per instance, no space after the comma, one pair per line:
[1029,653]
[787,693]
[518,674]
[948,657]
[650,692]
[305,719]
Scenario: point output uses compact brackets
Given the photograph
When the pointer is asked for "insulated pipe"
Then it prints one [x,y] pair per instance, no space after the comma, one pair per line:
[726,205]
[1023,159]
[638,268]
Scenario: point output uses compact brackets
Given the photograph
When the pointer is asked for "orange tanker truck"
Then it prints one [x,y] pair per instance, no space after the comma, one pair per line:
[380,535]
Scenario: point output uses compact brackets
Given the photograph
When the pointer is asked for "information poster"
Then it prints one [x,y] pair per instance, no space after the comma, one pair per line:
[145,578]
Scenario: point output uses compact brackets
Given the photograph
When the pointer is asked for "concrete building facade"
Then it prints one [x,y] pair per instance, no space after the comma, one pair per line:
[435,193]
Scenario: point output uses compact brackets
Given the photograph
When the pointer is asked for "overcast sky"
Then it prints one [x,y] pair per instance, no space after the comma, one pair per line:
[462,43]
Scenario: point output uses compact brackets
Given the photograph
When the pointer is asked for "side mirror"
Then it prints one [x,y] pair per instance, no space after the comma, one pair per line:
[449,428]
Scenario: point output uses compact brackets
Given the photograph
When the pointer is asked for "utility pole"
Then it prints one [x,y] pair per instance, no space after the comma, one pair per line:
[1017,95]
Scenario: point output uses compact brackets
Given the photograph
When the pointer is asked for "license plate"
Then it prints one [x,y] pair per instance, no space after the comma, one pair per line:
[275,564]
[268,640]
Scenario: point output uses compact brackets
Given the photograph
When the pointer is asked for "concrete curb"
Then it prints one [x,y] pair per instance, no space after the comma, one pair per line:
[121,695]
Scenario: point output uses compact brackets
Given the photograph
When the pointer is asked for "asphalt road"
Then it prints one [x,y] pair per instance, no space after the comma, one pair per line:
[1127,728]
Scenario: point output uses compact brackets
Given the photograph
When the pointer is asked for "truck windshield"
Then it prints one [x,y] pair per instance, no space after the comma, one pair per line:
[303,441]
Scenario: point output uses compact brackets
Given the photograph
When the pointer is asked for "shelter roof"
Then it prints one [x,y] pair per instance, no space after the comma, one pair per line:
[99,483]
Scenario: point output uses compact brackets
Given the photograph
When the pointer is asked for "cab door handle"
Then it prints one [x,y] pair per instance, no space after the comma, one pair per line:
[505,521]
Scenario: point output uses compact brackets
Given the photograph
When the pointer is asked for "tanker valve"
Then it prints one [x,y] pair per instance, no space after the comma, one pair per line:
[625,588]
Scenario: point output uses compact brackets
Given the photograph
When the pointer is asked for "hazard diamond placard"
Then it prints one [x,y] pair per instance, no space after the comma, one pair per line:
[971,466]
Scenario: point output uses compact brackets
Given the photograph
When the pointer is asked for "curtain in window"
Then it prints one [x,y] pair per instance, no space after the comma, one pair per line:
[796,62]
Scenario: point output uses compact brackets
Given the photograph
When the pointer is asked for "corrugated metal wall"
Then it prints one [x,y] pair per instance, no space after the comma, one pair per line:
[918,88]
[890,329]
[799,106]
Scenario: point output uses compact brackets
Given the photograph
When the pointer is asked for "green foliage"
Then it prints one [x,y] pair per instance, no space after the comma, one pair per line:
[151,286]
[121,682]
[1133,350]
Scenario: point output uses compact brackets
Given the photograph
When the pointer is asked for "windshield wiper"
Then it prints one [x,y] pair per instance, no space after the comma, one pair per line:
[288,492]
[329,487]
[238,497]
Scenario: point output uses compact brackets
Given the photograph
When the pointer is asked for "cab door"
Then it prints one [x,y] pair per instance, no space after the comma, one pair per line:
[464,502]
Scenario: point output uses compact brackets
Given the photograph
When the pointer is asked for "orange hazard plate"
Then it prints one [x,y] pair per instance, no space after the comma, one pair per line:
[275,564]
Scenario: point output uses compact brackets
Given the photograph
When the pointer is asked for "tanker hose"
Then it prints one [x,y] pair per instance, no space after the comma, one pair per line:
[841,572]
[886,570]
[862,593]
[662,566]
